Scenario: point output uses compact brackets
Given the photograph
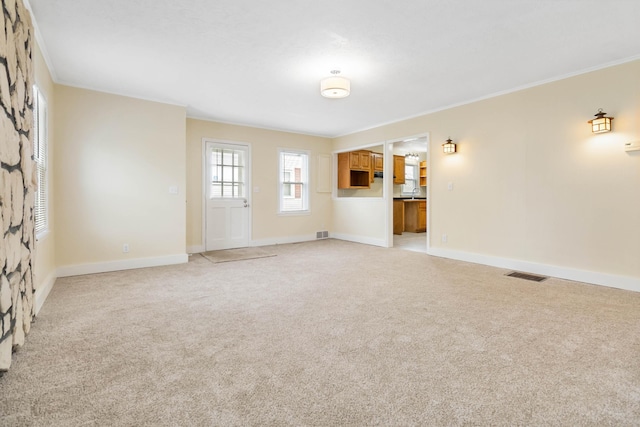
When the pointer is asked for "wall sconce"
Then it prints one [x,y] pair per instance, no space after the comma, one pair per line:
[449,147]
[601,123]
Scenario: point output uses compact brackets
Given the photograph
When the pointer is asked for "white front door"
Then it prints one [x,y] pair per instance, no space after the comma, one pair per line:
[226,196]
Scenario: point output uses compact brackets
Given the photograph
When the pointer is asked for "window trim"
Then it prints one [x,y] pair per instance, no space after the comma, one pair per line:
[415,179]
[304,181]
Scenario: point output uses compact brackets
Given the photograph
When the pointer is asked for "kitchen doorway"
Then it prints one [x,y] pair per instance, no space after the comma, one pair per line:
[410,189]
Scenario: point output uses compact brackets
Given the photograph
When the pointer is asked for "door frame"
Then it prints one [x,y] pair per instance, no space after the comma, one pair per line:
[203,183]
[390,147]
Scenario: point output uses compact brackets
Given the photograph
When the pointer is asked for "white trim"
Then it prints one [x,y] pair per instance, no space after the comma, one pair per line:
[42,236]
[256,126]
[41,43]
[286,240]
[122,94]
[360,239]
[249,187]
[495,94]
[42,291]
[306,184]
[390,144]
[125,264]
[195,249]
[592,277]
[294,213]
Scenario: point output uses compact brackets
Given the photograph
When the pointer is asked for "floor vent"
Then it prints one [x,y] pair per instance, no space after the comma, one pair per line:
[322,234]
[526,276]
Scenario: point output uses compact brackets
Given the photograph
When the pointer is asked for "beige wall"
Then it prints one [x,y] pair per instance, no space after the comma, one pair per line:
[115,160]
[45,265]
[531,182]
[267,226]
[360,220]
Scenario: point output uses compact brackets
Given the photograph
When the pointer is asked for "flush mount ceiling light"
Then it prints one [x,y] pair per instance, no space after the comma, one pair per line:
[449,147]
[601,123]
[336,86]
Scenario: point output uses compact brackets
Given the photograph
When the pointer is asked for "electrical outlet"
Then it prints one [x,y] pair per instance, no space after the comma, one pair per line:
[450,186]
[444,238]
[125,248]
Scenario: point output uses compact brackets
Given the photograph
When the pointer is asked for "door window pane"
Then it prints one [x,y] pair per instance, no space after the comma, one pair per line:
[227,173]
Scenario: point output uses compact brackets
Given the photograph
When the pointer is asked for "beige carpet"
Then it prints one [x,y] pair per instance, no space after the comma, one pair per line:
[228,255]
[327,333]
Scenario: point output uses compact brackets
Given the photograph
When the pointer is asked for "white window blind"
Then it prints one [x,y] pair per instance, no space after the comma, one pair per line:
[293,175]
[40,157]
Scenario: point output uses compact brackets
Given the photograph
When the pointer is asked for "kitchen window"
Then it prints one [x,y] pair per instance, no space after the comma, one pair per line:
[293,176]
[410,180]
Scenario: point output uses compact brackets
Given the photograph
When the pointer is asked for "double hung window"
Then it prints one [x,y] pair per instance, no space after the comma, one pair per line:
[293,172]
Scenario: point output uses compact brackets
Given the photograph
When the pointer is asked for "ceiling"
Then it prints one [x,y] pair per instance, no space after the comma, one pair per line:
[259,62]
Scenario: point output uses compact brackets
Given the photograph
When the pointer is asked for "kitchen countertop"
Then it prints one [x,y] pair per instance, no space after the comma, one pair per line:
[408,199]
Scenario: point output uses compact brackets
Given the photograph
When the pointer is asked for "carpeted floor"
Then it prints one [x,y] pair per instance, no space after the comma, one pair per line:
[327,333]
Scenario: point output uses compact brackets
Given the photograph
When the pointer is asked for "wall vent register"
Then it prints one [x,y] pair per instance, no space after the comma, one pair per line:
[526,276]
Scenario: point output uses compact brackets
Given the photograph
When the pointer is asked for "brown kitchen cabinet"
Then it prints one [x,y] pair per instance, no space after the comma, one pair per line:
[398,169]
[422,216]
[423,173]
[360,160]
[378,162]
[354,169]
[398,216]
[415,216]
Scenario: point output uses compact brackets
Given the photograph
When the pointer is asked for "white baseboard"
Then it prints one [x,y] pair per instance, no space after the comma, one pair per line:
[128,264]
[284,240]
[360,239]
[196,249]
[43,289]
[592,277]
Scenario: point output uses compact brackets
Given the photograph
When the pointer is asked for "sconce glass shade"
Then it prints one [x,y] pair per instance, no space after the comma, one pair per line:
[335,87]
[601,123]
[449,147]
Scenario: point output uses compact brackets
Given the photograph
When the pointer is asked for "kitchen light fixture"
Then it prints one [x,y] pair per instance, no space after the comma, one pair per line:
[336,86]
[601,123]
[449,147]
[412,156]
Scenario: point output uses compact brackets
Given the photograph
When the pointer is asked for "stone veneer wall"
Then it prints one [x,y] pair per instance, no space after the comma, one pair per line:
[17,178]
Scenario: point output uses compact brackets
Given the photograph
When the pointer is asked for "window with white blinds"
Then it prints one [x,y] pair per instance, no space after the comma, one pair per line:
[294,181]
[40,157]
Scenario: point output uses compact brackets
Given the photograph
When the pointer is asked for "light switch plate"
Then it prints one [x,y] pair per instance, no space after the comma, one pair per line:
[173,189]
[632,146]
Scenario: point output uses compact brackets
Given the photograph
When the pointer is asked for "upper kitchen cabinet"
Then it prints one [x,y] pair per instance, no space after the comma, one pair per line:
[398,169]
[423,173]
[360,160]
[354,169]
[378,161]
[377,165]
